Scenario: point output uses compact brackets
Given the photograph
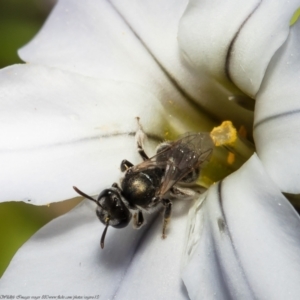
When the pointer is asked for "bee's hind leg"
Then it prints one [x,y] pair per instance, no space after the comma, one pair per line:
[140,136]
[186,193]
[167,215]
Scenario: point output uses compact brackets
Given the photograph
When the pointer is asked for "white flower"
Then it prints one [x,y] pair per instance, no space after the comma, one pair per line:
[68,117]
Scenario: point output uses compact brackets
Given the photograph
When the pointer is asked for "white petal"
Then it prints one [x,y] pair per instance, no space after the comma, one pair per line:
[277,122]
[133,41]
[60,129]
[157,26]
[244,240]
[91,39]
[65,258]
[235,40]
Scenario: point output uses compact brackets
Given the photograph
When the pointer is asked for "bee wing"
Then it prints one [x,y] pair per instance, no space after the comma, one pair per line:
[178,158]
[201,143]
[159,160]
[185,155]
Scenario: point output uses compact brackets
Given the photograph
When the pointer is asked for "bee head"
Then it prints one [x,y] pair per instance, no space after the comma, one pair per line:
[110,210]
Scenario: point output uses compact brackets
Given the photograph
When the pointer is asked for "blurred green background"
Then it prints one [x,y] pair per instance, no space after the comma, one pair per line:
[20,20]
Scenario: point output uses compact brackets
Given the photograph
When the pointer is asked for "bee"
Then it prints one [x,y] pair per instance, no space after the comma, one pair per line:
[156,181]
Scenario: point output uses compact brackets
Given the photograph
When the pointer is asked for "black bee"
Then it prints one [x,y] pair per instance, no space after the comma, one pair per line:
[157,180]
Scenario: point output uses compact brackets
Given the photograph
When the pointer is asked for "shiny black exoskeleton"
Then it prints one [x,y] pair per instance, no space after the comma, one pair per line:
[155,181]
[139,188]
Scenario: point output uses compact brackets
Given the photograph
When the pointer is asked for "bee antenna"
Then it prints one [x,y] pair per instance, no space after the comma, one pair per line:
[84,195]
[104,234]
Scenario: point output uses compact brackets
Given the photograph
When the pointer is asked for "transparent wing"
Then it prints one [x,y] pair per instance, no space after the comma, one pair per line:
[159,160]
[179,158]
[184,156]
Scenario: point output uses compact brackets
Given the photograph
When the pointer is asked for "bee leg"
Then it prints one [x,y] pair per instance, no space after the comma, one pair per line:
[138,219]
[125,165]
[167,215]
[185,193]
[140,136]
[115,185]
[142,153]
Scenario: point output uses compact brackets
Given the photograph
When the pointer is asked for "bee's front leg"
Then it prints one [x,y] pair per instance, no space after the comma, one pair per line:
[125,165]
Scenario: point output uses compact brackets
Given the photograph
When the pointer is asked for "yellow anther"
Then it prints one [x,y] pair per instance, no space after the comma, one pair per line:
[230,158]
[224,134]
